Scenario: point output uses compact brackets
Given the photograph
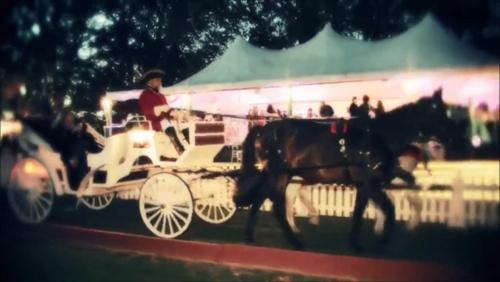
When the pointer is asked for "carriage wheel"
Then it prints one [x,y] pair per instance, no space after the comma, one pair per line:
[31,191]
[166,205]
[215,203]
[98,202]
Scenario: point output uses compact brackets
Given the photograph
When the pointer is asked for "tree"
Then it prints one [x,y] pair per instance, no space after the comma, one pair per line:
[83,48]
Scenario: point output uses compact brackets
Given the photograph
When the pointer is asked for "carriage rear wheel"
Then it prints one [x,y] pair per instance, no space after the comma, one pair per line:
[166,205]
[214,203]
[98,202]
[31,191]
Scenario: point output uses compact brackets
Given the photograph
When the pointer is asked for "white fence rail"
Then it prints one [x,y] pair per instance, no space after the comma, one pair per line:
[472,200]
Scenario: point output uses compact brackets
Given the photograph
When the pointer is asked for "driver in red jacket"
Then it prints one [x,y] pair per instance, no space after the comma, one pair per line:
[154,106]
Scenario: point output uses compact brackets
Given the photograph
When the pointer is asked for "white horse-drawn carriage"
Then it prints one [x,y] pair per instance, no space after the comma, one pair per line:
[136,163]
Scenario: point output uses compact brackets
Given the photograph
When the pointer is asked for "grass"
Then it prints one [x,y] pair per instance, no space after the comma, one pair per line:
[26,259]
[475,250]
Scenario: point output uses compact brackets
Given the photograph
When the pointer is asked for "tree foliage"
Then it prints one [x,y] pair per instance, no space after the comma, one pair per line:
[83,48]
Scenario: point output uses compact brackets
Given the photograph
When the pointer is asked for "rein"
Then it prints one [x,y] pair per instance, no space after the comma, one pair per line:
[246,117]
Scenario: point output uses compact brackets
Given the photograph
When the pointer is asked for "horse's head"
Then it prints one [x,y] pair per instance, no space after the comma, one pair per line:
[249,178]
[432,116]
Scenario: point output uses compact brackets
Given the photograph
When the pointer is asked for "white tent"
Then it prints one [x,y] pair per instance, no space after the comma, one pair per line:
[426,46]
[395,70]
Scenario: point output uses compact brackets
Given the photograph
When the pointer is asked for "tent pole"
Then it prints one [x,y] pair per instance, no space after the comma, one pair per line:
[190,104]
[290,102]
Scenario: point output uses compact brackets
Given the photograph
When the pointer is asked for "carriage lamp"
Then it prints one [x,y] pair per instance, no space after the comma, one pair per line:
[106,105]
[140,138]
[34,168]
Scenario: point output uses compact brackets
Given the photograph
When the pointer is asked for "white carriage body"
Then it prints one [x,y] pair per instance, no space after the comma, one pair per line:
[139,164]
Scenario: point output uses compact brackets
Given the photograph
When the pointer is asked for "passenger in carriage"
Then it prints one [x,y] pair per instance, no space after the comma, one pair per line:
[154,106]
[10,88]
[74,143]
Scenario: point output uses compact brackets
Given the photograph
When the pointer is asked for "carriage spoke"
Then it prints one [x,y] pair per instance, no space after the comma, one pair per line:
[164,223]
[45,200]
[216,212]
[211,211]
[150,209]
[35,208]
[30,210]
[181,208]
[176,222]
[220,211]
[180,216]
[171,229]
[204,207]
[226,208]
[154,215]
[39,204]
[159,219]
[99,199]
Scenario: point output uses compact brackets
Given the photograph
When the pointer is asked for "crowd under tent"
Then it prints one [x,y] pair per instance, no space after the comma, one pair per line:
[333,68]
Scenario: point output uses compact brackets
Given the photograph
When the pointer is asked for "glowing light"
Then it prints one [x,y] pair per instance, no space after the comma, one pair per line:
[412,86]
[22,90]
[476,141]
[139,136]
[85,52]
[99,21]
[35,29]
[34,168]
[106,104]
[67,101]
[9,127]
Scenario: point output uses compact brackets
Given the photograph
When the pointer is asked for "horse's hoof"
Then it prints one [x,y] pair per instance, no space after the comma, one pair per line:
[385,240]
[249,240]
[357,247]
[299,246]
[314,220]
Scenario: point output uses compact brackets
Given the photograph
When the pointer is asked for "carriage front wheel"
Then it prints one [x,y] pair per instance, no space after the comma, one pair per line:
[97,202]
[166,205]
[31,191]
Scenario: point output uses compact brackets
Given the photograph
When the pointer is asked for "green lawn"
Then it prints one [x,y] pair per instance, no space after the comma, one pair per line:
[25,259]
[475,250]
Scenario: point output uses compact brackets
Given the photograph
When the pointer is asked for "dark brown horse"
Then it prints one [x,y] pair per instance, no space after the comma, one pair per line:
[358,152]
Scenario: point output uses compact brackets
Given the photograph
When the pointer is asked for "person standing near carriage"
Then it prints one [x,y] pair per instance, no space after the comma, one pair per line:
[353,108]
[380,109]
[365,108]
[154,106]
[325,110]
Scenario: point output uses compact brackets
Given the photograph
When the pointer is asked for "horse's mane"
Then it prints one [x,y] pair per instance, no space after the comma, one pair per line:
[401,110]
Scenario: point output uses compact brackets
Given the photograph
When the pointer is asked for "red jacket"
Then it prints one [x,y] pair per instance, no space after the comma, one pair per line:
[148,100]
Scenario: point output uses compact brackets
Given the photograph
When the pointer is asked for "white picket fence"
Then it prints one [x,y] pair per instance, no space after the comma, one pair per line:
[472,201]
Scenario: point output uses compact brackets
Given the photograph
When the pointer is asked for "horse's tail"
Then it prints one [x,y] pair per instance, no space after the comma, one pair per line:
[250,178]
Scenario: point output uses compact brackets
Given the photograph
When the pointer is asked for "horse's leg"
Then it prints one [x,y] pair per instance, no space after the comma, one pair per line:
[385,204]
[357,217]
[416,204]
[252,219]
[306,200]
[291,196]
[279,210]
[407,177]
